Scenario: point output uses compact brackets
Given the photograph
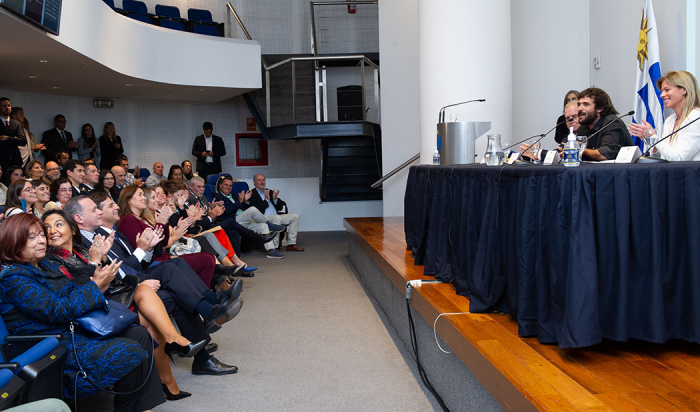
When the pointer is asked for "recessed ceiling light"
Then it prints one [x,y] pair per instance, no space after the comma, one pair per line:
[56,87]
[43,61]
[32,77]
[128,84]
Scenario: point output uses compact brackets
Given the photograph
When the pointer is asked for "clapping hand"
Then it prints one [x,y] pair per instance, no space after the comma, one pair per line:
[100,247]
[149,238]
[274,194]
[103,276]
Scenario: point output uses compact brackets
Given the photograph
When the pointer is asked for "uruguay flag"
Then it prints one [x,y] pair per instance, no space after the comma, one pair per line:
[648,104]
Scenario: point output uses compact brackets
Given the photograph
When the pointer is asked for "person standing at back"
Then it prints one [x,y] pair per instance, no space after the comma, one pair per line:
[110,146]
[209,149]
[58,140]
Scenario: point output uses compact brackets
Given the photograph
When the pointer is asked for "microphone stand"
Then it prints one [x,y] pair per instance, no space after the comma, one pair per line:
[521,162]
[647,156]
[441,113]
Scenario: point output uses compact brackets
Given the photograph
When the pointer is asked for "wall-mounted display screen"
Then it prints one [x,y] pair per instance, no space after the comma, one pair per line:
[44,13]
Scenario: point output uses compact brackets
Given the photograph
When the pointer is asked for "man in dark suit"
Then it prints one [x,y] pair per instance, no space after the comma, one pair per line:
[58,140]
[184,295]
[75,172]
[208,149]
[11,138]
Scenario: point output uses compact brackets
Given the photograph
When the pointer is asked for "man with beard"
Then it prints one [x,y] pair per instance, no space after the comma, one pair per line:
[595,111]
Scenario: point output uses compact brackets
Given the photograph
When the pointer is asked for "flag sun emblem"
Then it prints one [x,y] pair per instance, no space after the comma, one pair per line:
[642,46]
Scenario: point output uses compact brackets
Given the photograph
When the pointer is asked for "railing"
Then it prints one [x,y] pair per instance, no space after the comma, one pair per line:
[395,171]
[232,11]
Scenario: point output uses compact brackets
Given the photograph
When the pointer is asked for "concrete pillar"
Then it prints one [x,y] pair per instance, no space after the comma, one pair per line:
[464,54]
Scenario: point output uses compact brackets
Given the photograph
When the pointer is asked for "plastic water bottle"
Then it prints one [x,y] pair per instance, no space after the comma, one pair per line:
[436,157]
[571,150]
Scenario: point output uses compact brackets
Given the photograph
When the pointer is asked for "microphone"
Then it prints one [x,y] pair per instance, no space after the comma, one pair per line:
[630,113]
[441,113]
[669,135]
[531,137]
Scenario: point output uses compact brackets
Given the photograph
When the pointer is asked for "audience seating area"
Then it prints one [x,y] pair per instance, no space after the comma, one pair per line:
[198,21]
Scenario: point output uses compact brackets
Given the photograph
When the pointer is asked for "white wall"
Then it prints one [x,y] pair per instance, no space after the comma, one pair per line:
[550,57]
[398,48]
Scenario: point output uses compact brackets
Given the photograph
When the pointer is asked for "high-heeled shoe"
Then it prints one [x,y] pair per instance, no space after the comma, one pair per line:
[174,396]
[188,351]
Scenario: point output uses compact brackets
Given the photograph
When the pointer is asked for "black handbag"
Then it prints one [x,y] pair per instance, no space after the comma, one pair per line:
[105,323]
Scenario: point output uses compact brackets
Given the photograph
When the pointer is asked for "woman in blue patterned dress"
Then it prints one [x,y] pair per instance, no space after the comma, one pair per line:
[46,301]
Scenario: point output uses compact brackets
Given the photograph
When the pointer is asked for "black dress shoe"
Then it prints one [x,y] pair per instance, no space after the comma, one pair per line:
[213,367]
[188,351]
[233,292]
[174,396]
[211,348]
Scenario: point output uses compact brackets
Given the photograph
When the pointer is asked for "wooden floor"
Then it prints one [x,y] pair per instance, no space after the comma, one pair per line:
[632,376]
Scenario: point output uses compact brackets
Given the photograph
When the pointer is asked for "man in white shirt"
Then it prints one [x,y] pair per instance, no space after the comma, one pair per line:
[209,149]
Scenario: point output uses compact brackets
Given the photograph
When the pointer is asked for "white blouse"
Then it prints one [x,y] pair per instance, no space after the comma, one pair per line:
[685,145]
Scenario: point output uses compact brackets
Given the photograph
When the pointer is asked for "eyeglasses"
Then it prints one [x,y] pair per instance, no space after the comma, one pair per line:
[28,190]
[52,169]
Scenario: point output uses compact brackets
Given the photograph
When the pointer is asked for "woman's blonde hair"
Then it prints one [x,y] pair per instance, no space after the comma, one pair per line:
[147,212]
[686,81]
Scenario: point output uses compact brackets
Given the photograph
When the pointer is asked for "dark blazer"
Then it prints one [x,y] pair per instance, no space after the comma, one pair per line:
[200,146]
[261,204]
[230,208]
[9,148]
[108,152]
[54,144]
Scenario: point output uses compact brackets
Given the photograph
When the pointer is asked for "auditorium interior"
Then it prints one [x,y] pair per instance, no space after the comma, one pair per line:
[336,103]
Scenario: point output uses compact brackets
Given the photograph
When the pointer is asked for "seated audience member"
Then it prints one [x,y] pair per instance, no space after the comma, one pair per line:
[66,250]
[119,181]
[34,170]
[156,177]
[680,92]
[110,146]
[237,214]
[131,178]
[89,161]
[58,140]
[20,190]
[187,174]
[106,184]
[208,149]
[136,216]
[595,110]
[31,150]
[42,197]
[3,190]
[175,173]
[15,173]
[52,171]
[92,178]
[62,158]
[571,113]
[562,131]
[61,191]
[88,146]
[11,138]
[75,172]
[44,300]
[266,201]
[177,195]
[181,290]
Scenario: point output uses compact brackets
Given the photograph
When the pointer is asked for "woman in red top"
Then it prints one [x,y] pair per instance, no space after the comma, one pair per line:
[135,216]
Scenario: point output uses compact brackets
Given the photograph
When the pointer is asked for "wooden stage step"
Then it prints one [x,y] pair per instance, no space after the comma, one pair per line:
[523,374]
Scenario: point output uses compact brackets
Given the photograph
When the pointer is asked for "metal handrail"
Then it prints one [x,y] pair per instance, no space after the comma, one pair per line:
[317,58]
[245,31]
[395,171]
[313,19]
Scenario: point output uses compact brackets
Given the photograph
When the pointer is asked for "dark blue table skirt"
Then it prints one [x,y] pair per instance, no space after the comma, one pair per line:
[574,254]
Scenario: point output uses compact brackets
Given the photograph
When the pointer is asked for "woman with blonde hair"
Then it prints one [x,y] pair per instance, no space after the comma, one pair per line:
[680,92]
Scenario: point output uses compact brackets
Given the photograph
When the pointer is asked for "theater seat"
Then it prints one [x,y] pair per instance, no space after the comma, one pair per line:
[144,173]
[140,18]
[239,187]
[207,30]
[212,179]
[169,13]
[200,16]
[110,3]
[11,388]
[174,25]
[136,7]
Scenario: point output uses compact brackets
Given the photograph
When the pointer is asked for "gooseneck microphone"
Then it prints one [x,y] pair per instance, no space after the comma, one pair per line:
[441,113]
[630,113]
[669,135]
[537,135]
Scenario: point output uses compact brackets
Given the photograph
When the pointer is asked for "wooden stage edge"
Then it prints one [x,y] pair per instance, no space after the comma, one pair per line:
[524,375]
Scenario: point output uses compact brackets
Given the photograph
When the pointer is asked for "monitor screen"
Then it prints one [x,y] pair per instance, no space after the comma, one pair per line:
[44,13]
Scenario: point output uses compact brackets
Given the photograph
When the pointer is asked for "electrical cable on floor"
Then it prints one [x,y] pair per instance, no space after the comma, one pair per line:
[414,345]
[435,324]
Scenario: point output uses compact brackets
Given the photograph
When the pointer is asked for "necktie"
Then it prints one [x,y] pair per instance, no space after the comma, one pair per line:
[63,136]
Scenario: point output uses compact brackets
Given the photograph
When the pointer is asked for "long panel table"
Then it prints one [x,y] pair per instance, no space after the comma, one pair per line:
[575,255]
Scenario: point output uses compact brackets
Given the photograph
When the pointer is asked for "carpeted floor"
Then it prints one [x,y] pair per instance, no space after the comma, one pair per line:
[307,339]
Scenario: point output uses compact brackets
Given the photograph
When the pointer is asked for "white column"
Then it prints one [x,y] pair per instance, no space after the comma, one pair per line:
[464,54]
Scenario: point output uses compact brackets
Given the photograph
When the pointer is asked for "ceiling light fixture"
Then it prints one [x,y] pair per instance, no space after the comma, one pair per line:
[43,61]
[56,87]
[32,77]
[128,84]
